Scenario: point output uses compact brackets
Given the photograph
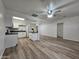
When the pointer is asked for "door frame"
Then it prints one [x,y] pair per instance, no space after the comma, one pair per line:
[59,37]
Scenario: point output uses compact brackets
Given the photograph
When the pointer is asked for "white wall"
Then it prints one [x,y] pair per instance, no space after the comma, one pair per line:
[70,30]
[48,29]
[2,29]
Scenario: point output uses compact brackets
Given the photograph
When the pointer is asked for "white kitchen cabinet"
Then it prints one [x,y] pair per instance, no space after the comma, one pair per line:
[8,20]
[21,34]
[10,40]
[22,29]
[33,36]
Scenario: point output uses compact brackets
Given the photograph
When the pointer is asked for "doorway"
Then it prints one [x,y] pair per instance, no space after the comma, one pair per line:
[59,30]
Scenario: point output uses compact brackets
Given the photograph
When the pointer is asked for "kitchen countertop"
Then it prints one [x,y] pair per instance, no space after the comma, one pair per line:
[33,32]
[18,31]
[11,33]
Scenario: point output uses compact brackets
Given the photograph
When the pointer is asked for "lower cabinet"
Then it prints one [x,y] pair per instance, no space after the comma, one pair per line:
[10,41]
[33,36]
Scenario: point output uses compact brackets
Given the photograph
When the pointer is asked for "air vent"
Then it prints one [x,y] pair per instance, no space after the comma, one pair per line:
[34,15]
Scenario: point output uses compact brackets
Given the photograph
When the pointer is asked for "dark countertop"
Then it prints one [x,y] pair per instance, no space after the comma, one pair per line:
[17,31]
[11,33]
[33,32]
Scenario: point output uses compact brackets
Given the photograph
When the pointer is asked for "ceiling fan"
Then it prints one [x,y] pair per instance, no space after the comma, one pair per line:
[50,11]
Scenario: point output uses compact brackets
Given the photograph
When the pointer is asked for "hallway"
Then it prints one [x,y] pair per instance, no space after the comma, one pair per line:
[43,49]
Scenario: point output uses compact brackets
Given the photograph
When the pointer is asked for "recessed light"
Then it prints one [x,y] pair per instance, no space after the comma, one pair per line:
[18,18]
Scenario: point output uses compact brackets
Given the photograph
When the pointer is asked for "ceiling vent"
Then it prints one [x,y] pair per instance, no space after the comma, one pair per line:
[34,15]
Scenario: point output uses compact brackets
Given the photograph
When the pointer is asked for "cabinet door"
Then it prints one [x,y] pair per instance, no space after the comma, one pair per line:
[22,34]
[35,36]
[10,41]
[8,21]
[30,35]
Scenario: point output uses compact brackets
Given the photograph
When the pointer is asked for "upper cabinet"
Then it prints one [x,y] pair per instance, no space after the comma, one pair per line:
[8,21]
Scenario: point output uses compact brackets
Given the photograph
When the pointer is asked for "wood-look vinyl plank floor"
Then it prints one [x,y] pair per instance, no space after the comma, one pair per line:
[43,49]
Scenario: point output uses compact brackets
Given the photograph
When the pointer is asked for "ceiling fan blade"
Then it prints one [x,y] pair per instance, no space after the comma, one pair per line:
[68,4]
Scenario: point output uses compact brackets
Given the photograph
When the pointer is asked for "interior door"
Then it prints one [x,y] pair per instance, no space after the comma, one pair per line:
[60,30]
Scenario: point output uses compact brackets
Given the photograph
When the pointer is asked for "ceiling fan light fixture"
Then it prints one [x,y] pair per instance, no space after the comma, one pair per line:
[50,16]
[49,12]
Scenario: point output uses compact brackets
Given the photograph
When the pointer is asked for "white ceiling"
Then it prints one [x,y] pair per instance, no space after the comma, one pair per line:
[28,7]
